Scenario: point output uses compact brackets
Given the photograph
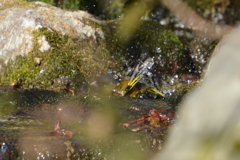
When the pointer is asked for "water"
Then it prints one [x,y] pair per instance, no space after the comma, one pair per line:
[26,128]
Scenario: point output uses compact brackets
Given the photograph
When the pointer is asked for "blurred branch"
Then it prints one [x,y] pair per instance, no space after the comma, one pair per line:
[191,19]
[132,20]
[217,100]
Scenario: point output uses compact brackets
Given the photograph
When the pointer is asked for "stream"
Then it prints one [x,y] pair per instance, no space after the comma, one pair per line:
[29,116]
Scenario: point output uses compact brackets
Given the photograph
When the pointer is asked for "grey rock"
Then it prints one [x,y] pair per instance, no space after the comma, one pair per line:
[17,24]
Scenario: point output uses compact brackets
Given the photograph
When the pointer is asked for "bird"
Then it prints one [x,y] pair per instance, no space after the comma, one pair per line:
[138,80]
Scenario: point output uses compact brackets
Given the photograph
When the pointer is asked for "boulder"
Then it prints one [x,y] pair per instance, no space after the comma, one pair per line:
[38,40]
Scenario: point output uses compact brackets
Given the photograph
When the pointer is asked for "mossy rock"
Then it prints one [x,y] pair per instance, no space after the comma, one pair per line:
[149,40]
[65,60]
[51,47]
[152,40]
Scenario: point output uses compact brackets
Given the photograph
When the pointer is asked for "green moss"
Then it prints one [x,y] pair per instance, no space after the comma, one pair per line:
[152,36]
[67,60]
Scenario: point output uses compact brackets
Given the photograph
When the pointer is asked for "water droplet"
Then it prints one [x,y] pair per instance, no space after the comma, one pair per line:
[115,76]
[172,81]
[110,71]
[3,147]
[158,50]
[189,81]
[163,22]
